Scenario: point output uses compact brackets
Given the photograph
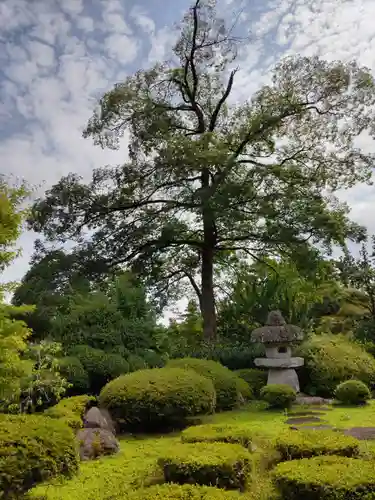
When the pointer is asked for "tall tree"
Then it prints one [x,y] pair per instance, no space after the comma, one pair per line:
[206,178]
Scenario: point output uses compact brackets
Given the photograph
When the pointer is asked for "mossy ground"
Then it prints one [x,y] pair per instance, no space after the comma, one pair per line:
[136,465]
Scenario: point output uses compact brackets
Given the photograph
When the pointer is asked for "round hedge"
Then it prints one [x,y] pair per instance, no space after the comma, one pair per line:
[33,449]
[72,369]
[305,444]
[172,491]
[71,410]
[278,395]
[325,478]
[152,398]
[228,395]
[225,433]
[211,464]
[256,379]
[352,392]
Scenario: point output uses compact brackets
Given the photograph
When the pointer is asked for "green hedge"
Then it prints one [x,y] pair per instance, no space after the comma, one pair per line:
[326,478]
[211,464]
[278,395]
[33,449]
[182,492]
[352,392]
[149,399]
[72,369]
[71,410]
[332,359]
[304,444]
[256,379]
[228,395]
[225,433]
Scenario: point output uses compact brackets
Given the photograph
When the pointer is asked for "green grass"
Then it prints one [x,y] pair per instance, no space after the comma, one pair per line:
[136,464]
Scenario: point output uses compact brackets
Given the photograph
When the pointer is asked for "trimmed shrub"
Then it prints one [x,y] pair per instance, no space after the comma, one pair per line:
[72,369]
[71,410]
[211,433]
[326,478]
[32,449]
[332,359]
[256,378]
[228,395]
[154,359]
[353,392]
[100,366]
[211,464]
[149,399]
[172,491]
[305,444]
[243,390]
[278,395]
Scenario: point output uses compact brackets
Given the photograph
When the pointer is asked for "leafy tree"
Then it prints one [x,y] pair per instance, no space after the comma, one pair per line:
[206,178]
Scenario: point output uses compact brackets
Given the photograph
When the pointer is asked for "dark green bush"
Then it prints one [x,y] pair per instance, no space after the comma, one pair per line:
[305,444]
[228,394]
[225,433]
[326,478]
[72,369]
[278,395]
[153,359]
[332,359]
[71,410]
[353,392]
[136,363]
[256,379]
[33,449]
[172,491]
[243,388]
[100,365]
[148,399]
[211,464]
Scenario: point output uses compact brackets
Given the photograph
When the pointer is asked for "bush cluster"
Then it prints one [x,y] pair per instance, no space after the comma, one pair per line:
[279,396]
[211,464]
[352,392]
[228,395]
[304,444]
[149,399]
[33,449]
[256,379]
[326,478]
[71,410]
[211,433]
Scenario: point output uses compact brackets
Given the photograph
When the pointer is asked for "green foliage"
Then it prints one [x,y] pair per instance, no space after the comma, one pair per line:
[148,399]
[211,464]
[256,378]
[244,390]
[153,359]
[172,491]
[326,478]
[278,395]
[226,433]
[136,363]
[72,369]
[71,410]
[225,382]
[332,359]
[100,366]
[294,445]
[33,449]
[352,392]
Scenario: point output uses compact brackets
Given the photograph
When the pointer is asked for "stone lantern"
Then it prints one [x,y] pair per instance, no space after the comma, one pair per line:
[278,338]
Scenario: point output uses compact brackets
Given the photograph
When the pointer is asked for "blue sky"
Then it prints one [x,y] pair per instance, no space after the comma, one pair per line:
[58,57]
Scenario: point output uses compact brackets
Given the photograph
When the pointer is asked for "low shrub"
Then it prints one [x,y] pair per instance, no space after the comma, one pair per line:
[71,410]
[72,369]
[332,359]
[352,392]
[326,478]
[211,433]
[278,395]
[256,379]
[32,449]
[228,395]
[148,399]
[154,359]
[135,363]
[172,491]
[244,391]
[211,464]
[305,444]
[100,365]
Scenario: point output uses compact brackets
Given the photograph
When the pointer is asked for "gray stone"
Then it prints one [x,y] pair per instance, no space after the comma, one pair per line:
[94,443]
[279,362]
[96,418]
[285,376]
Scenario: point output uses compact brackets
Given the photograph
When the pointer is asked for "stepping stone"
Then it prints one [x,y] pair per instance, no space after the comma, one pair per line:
[361,433]
[303,420]
[322,427]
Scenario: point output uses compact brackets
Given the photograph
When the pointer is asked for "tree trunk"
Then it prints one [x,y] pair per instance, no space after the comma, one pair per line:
[208,298]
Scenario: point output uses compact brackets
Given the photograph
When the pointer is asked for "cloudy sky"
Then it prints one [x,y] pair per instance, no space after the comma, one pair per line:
[57,58]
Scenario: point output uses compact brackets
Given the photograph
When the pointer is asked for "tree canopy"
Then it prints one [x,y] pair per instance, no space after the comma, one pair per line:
[206,178]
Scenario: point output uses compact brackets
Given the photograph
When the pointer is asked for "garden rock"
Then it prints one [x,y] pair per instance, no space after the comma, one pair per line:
[94,443]
[96,418]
